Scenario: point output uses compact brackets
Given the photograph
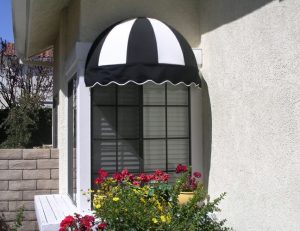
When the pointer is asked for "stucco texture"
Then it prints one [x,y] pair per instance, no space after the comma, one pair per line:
[251,65]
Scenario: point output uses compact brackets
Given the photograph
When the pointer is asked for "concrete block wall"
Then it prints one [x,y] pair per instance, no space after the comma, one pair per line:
[23,174]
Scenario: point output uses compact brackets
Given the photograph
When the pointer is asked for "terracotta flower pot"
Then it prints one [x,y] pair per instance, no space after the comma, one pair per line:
[184,197]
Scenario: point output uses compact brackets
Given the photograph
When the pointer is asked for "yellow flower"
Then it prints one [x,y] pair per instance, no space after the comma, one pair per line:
[159,205]
[98,206]
[163,218]
[155,221]
[116,199]
[168,219]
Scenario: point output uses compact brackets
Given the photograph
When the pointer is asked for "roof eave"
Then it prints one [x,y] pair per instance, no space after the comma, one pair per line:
[20,26]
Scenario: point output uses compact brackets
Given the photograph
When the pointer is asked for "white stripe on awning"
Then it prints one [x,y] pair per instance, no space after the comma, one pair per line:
[114,49]
[168,48]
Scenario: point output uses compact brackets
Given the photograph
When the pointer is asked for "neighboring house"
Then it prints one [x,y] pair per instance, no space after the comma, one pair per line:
[44,58]
[241,128]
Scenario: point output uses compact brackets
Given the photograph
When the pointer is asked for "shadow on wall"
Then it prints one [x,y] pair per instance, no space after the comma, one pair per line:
[207,123]
[215,13]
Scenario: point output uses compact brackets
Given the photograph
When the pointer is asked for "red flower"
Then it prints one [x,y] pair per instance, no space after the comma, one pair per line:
[166,177]
[125,172]
[102,225]
[197,174]
[159,172]
[118,176]
[87,222]
[137,183]
[181,168]
[99,180]
[144,177]
[67,222]
[103,173]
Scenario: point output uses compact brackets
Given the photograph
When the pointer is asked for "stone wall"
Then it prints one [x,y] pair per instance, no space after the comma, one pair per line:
[23,174]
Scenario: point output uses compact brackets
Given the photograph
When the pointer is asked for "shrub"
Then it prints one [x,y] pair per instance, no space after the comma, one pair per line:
[16,225]
[27,124]
[147,202]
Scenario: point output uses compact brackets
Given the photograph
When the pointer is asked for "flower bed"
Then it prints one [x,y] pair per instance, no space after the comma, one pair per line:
[147,202]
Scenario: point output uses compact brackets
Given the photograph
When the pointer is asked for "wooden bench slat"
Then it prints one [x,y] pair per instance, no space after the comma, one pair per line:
[69,203]
[50,216]
[67,206]
[52,209]
[41,219]
[62,205]
[56,207]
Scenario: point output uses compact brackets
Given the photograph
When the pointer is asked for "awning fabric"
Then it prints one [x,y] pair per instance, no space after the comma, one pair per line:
[141,50]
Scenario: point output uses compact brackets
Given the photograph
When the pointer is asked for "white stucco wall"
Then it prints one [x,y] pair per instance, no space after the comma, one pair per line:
[97,15]
[251,105]
[251,63]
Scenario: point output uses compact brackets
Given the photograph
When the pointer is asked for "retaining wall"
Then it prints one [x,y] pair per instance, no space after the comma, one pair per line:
[23,174]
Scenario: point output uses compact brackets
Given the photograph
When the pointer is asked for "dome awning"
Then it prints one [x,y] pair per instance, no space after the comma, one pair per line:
[141,50]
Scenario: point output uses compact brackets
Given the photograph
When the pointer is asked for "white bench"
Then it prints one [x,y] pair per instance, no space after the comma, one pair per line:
[52,209]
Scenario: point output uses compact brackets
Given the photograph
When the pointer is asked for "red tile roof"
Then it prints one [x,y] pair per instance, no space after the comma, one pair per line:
[11,51]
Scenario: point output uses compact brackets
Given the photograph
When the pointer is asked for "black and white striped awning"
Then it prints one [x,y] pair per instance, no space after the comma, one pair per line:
[141,50]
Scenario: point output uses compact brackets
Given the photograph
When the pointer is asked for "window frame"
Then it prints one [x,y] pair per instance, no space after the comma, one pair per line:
[141,137]
[75,65]
[72,138]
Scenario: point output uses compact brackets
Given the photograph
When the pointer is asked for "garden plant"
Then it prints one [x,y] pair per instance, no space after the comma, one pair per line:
[144,202]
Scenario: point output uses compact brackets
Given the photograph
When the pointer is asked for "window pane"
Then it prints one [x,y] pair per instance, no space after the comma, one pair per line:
[154,155]
[104,123]
[104,95]
[154,122]
[128,94]
[178,153]
[103,156]
[128,155]
[153,94]
[177,95]
[178,123]
[128,122]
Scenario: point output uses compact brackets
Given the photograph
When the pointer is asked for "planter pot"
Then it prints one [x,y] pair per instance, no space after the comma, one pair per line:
[184,197]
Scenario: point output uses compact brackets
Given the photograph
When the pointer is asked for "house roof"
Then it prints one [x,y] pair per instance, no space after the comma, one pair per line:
[36,25]
[11,51]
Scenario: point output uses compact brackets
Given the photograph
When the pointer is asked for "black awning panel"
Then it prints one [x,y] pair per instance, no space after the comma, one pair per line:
[141,50]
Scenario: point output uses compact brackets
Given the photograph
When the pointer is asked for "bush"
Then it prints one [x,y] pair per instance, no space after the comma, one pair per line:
[16,225]
[148,202]
[27,125]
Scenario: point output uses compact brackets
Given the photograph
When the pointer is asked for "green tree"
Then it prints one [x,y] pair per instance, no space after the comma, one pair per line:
[23,89]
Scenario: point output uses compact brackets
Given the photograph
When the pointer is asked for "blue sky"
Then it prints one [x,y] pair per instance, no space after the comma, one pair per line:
[6,30]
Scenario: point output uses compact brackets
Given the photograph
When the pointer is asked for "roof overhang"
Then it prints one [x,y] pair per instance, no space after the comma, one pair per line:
[35,25]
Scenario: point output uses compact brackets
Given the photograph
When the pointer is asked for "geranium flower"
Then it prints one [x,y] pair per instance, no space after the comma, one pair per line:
[181,168]
[118,177]
[103,173]
[102,225]
[87,221]
[144,177]
[68,221]
[197,174]
[99,180]
[191,183]
[136,183]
